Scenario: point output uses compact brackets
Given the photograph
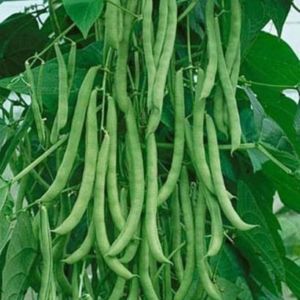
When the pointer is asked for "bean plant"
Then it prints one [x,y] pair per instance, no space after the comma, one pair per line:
[142,146]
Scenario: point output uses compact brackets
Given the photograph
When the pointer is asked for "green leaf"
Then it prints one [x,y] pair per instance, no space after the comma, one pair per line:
[292,276]
[290,223]
[5,231]
[84,13]
[278,11]
[5,132]
[8,149]
[4,189]
[229,290]
[20,39]
[86,58]
[245,293]
[255,17]
[288,187]
[259,238]
[20,256]
[271,61]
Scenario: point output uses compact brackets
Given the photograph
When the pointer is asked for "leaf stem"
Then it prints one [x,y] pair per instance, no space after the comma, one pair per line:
[273,159]
[243,80]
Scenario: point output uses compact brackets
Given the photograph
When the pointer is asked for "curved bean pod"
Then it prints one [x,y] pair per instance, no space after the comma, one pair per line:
[66,165]
[168,187]
[216,172]
[99,215]
[88,178]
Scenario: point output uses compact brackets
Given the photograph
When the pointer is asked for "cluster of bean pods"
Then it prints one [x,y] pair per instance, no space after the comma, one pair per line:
[146,235]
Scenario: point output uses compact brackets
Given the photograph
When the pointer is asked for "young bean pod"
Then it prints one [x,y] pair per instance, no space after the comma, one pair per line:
[88,178]
[168,187]
[221,192]
[66,165]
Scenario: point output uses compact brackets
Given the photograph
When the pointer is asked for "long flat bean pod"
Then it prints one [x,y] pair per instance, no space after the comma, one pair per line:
[198,129]
[211,69]
[145,280]
[221,192]
[84,248]
[113,26]
[216,240]
[148,48]
[88,178]
[190,236]
[200,248]
[161,30]
[137,183]
[99,215]
[66,165]
[46,250]
[112,184]
[151,201]
[63,89]
[176,234]
[162,69]
[121,68]
[168,187]
[35,104]
[233,113]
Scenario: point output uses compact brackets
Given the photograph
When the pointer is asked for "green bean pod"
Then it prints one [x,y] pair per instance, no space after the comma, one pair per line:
[99,215]
[136,186]
[161,30]
[146,283]
[148,49]
[35,104]
[168,187]
[63,90]
[233,113]
[113,25]
[46,251]
[118,289]
[198,138]
[112,184]
[200,248]
[216,172]
[176,234]
[211,69]
[190,236]
[88,178]
[216,240]
[71,67]
[134,286]
[121,68]
[162,69]
[66,165]
[151,201]
[84,248]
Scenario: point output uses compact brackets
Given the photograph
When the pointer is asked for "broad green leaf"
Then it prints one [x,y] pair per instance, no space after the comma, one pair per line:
[271,136]
[259,238]
[271,61]
[278,11]
[281,109]
[290,223]
[254,18]
[292,276]
[228,264]
[20,256]
[5,230]
[297,120]
[20,39]
[84,13]
[245,293]
[288,187]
